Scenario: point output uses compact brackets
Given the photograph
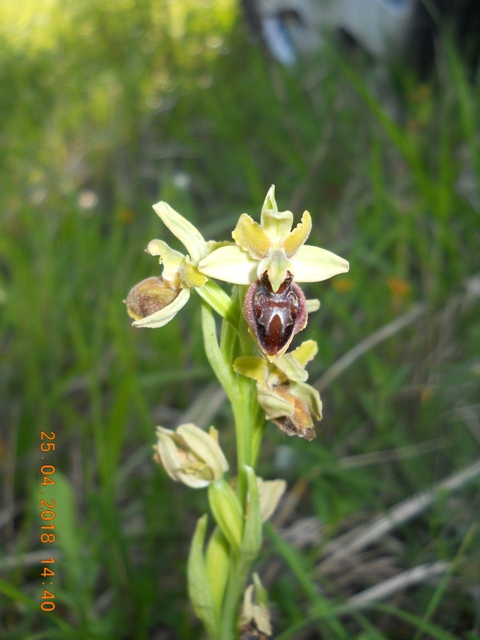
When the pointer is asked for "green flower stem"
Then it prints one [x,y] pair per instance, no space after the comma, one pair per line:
[241,391]
[216,297]
[259,426]
[249,428]
[255,411]
[243,432]
[238,574]
[241,565]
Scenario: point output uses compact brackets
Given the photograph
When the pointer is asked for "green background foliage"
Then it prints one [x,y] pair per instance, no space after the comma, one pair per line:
[106,108]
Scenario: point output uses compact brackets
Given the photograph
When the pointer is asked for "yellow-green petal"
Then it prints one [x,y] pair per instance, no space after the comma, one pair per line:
[250,236]
[252,367]
[291,367]
[298,236]
[172,260]
[305,352]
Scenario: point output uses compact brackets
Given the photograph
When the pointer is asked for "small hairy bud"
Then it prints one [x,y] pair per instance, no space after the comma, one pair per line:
[148,296]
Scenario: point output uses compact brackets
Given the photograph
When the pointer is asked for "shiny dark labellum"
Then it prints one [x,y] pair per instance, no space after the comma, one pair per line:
[275,317]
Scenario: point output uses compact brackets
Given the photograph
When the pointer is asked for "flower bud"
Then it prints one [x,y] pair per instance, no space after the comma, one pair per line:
[149,296]
[275,317]
[227,512]
[190,455]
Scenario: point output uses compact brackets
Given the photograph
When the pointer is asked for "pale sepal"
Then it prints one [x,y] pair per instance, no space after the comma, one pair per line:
[312,305]
[205,446]
[270,204]
[230,264]
[270,492]
[310,396]
[313,264]
[189,236]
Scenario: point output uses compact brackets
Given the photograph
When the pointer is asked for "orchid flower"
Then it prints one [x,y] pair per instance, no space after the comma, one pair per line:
[271,247]
[155,301]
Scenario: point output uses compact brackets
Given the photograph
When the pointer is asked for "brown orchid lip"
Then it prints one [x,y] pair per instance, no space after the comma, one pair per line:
[275,317]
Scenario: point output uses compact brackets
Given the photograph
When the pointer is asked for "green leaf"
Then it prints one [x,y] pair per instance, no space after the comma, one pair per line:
[222,369]
[198,584]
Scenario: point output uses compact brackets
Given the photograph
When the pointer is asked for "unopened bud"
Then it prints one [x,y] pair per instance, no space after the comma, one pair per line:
[191,455]
[149,296]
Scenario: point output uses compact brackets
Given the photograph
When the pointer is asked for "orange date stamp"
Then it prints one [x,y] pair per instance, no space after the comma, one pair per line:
[47,516]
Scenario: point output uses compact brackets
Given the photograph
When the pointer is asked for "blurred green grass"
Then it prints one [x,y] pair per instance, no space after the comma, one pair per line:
[106,109]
